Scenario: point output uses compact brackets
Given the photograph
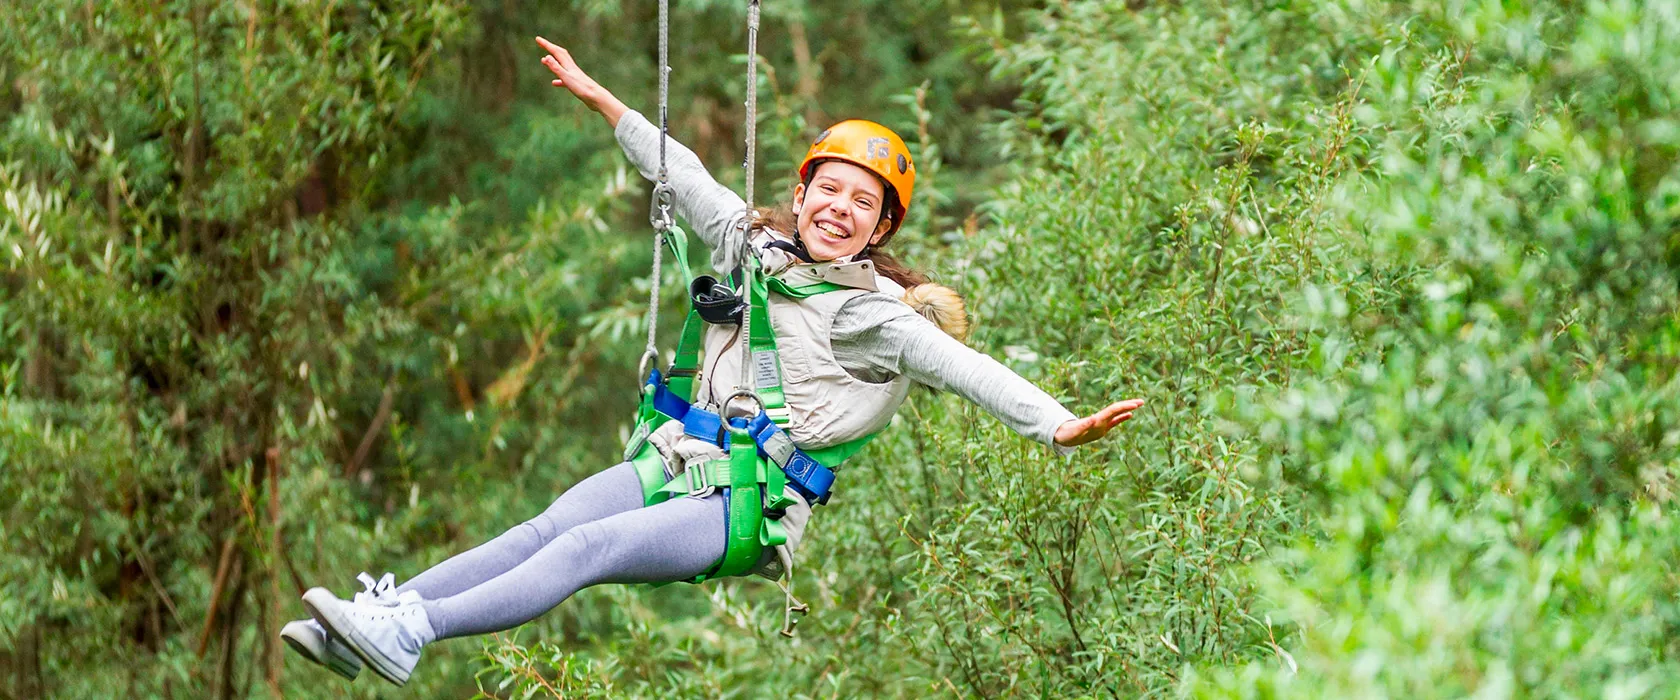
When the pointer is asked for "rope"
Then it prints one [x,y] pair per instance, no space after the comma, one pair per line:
[752,96]
[664,82]
[659,210]
[748,254]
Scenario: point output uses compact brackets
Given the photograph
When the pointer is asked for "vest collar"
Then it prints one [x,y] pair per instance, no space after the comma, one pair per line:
[856,274]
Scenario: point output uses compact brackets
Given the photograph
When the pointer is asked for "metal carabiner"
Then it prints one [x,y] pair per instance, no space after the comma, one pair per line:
[648,357]
[659,209]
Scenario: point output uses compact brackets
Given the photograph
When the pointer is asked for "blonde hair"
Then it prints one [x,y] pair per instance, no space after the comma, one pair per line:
[941,305]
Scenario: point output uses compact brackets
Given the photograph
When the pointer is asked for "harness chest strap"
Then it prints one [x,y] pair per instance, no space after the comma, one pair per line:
[806,471]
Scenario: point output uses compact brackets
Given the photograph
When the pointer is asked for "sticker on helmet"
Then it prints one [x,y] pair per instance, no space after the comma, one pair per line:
[822,136]
[877,147]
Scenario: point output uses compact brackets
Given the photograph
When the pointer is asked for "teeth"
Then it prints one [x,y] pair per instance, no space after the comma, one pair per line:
[833,230]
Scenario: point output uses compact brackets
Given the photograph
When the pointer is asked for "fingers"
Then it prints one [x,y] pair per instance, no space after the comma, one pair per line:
[1102,427]
[560,54]
[1097,425]
[558,60]
[555,67]
[550,46]
[1116,413]
[1117,408]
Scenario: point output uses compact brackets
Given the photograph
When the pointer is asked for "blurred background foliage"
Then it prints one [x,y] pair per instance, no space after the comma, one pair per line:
[297,289]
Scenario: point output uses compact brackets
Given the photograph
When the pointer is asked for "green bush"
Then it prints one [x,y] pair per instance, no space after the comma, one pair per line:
[1397,279]
[1493,453]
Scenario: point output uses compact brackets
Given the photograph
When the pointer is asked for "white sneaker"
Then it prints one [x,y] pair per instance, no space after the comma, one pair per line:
[311,641]
[386,637]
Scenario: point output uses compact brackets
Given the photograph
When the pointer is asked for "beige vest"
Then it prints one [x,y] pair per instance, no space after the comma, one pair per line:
[826,404]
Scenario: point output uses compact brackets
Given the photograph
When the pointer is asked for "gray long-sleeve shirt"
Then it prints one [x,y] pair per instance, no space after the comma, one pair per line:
[873,334]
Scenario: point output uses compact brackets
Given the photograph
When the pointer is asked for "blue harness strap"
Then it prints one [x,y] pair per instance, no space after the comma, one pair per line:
[697,422]
[666,401]
[811,478]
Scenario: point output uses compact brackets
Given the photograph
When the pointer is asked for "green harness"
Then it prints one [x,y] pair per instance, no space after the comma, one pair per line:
[755,474]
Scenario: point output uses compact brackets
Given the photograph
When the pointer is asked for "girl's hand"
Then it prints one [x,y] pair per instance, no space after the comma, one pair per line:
[1095,426]
[568,75]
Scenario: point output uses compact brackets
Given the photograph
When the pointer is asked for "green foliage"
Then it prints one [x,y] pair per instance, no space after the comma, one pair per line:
[297,289]
[164,279]
[366,238]
[1494,453]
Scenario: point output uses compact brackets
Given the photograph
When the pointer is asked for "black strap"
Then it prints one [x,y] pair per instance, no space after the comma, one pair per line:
[797,249]
[714,301]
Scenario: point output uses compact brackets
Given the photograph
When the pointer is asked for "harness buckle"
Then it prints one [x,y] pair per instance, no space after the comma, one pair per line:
[700,483]
[637,440]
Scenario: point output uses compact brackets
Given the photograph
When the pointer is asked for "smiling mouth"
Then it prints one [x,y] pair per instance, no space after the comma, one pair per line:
[832,229]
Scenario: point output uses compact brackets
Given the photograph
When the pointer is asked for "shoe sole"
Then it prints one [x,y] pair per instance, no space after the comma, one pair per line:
[326,614]
[304,650]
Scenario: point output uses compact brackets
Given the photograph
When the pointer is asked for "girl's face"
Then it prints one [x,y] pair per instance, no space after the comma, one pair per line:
[841,211]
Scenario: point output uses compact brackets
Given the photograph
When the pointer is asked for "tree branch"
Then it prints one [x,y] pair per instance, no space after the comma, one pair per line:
[380,416]
[222,568]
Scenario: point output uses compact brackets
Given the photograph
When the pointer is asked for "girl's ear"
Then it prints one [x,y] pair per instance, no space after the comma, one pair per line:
[798,197]
[881,229]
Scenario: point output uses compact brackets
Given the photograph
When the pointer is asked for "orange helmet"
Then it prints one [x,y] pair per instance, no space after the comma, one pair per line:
[874,148]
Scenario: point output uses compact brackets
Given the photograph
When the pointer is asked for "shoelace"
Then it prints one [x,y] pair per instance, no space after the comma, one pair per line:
[383,591]
[377,591]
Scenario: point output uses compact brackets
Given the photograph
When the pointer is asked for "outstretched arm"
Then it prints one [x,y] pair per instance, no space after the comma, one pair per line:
[878,331]
[713,210]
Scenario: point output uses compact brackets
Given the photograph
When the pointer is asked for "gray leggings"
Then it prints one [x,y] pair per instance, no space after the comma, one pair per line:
[595,532]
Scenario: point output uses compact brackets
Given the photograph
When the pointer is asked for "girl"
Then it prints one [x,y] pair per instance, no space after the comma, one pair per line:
[846,359]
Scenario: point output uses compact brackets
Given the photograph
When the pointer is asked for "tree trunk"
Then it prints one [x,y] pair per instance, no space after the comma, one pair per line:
[271,627]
